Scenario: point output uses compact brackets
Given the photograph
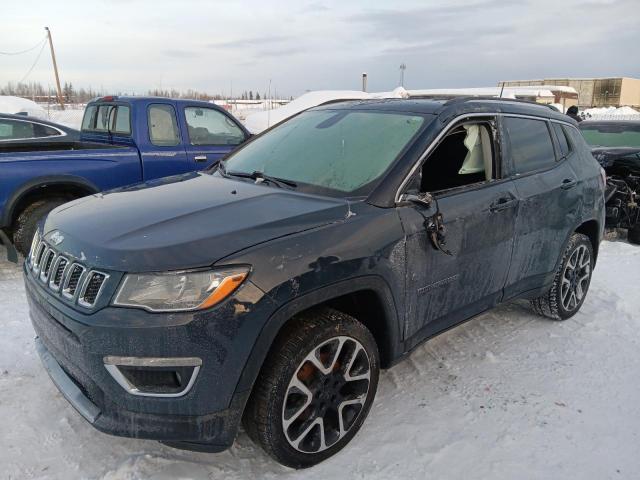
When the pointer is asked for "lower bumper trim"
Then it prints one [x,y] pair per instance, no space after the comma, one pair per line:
[67,387]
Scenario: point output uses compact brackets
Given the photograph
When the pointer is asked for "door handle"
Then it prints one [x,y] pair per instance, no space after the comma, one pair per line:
[502,204]
[200,158]
[568,183]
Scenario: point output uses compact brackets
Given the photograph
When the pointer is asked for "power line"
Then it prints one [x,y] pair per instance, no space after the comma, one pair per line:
[34,63]
[25,51]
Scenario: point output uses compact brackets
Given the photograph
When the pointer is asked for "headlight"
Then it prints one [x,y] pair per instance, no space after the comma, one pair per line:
[179,291]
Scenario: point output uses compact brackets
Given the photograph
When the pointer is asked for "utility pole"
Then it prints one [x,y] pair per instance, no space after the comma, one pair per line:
[403,67]
[364,81]
[55,68]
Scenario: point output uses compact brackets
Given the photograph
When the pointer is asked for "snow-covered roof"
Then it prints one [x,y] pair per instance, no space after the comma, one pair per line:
[10,104]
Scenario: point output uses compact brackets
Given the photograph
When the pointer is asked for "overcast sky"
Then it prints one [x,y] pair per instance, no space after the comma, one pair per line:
[136,45]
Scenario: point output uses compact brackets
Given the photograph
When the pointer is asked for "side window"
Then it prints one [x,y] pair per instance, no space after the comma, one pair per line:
[40,131]
[89,119]
[531,147]
[102,118]
[463,157]
[122,121]
[565,146]
[163,126]
[15,130]
[208,126]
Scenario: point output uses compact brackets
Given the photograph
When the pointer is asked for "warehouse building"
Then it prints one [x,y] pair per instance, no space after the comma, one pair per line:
[592,92]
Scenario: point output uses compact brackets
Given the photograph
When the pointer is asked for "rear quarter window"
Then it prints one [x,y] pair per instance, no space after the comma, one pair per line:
[163,125]
[531,146]
[563,141]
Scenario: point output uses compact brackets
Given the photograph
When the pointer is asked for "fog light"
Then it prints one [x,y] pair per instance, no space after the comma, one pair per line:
[154,377]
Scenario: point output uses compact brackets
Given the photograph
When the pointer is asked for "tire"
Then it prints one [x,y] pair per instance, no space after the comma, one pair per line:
[633,235]
[348,354]
[571,282]
[27,222]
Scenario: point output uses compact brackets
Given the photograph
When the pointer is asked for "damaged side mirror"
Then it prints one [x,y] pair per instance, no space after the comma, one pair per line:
[422,199]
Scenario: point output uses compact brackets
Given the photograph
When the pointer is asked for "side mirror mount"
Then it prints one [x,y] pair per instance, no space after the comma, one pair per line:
[423,199]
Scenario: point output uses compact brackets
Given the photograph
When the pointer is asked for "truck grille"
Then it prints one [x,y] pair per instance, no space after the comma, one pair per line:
[74,281]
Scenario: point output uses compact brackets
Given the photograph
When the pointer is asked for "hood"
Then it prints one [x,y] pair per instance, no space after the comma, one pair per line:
[618,160]
[183,222]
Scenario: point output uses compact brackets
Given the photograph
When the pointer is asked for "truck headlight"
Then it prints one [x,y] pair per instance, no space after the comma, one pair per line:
[179,291]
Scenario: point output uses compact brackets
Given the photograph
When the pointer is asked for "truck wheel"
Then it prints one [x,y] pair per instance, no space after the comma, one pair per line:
[571,282]
[27,221]
[633,235]
[315,388]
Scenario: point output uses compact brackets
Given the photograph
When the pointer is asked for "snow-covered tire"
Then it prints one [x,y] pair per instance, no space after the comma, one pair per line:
[633,235]
[571,282]
[27,222]
[315,388]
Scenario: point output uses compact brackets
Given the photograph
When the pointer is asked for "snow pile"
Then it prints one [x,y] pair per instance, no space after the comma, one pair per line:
[506,395]
[259,121]
[71,116]
[10,104]
[621,113]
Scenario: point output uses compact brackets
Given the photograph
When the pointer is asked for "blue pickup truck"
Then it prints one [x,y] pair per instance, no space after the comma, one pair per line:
[123,141]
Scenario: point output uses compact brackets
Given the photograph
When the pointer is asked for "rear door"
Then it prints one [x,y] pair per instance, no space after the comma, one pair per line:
[549,200]
[211,134]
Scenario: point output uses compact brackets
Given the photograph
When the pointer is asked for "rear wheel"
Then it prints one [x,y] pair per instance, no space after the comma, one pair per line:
[27,222]
[315,389]
[571,282]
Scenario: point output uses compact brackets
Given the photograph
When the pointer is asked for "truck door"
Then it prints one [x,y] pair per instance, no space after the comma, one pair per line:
[465,274]
[164,155]
[211,134]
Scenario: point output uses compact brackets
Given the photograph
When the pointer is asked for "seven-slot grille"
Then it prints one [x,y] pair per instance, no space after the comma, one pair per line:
[61,274]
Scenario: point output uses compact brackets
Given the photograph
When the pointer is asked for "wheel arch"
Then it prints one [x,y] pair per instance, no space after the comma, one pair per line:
[590,228]
[44,187]
[368,299]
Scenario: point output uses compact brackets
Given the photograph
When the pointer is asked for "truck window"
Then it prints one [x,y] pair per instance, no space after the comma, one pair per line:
[531,147]
[122,122]
[163,126]
[208,126]
[107,118]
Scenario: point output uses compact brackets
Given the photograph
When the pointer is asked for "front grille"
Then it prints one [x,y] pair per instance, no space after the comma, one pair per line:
[71,285]
[56,278]
[72,280]
[92,288]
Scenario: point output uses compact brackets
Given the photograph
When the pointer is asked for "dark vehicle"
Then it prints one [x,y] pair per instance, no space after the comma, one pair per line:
[21,131]
[273,289]
[616,146]
[124,140]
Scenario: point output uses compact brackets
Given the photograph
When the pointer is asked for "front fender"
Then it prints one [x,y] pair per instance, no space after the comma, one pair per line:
[308,300]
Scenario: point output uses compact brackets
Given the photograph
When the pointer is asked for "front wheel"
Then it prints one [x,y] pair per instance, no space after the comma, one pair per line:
[571,282]
[315,389]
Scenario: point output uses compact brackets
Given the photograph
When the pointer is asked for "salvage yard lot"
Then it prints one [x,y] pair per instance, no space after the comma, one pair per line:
[506,395]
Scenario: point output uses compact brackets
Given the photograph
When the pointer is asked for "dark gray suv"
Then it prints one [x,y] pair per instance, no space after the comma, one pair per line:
[272,288]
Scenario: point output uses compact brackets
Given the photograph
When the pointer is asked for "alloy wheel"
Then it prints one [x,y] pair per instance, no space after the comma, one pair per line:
[326,394]
[575,278]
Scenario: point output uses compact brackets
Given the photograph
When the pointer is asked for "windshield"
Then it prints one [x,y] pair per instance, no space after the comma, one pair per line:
[614,135]
[335,152]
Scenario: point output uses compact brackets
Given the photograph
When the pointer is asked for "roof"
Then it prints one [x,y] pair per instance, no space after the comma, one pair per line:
[452,107]
[28,118]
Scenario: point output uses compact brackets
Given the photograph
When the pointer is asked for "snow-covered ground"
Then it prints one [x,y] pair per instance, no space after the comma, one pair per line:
[508,395]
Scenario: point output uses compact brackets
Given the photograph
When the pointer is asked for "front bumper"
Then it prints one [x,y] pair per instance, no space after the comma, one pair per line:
[73,347]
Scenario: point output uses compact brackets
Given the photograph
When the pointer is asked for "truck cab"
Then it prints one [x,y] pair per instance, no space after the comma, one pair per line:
[173,136]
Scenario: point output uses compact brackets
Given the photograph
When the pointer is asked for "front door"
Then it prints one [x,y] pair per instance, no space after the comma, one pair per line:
[479,212]
[212,134]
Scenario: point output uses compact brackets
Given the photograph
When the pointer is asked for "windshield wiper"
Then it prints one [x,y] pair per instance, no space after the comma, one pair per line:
[261,177]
